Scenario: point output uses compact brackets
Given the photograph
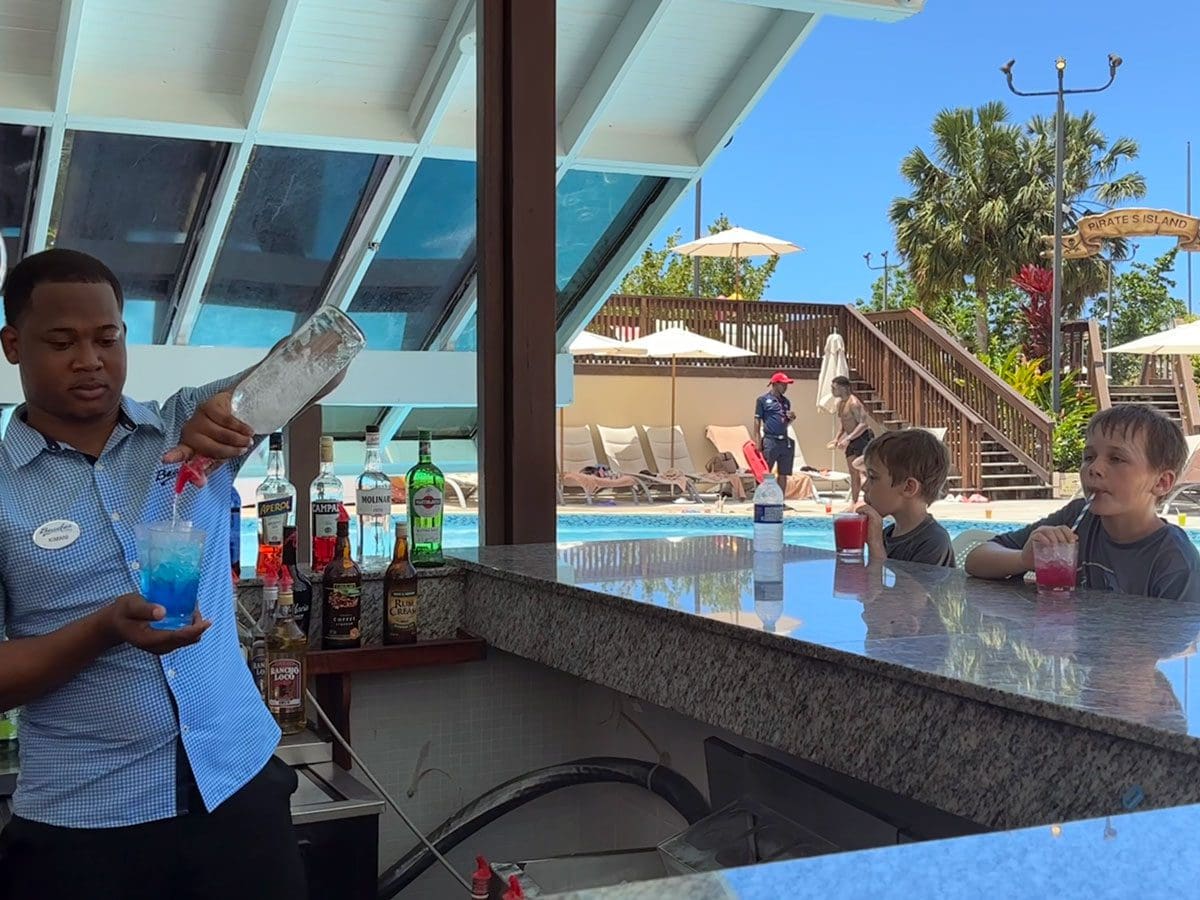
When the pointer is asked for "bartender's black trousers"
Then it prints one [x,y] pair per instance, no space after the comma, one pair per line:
[245,848]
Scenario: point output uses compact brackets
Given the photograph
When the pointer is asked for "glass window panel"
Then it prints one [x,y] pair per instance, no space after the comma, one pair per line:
[18,152]
[444,422]
[291,217]
[349,421]
[427,252]
[595,213]
[134,203]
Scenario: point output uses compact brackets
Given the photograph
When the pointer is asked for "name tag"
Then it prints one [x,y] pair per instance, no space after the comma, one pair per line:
[56,534]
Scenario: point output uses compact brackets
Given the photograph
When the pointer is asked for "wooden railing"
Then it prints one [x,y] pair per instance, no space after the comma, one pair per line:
[781,335]
[1017,423]
[1083,351]
[915,395]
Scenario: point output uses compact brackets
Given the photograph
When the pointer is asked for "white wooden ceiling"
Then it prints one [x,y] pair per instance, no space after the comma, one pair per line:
[645,87]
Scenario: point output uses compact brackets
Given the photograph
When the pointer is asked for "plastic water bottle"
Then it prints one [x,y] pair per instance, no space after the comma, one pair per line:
[768,516]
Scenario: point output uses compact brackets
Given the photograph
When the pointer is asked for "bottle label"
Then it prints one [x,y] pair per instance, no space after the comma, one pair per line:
[273,517]
[324,518]
[768,513]
[402,609]
[342,610]
[374,502]
[258,662]
[427,516]
[285,687]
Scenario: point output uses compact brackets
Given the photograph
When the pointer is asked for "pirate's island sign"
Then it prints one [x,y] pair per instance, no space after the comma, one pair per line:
[1121,223]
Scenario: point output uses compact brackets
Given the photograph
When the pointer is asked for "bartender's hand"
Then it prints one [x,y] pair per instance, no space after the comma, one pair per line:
[129,619]
[212,431]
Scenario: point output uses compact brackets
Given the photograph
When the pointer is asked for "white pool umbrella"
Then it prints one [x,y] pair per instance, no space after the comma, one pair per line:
[679,343]
[736,243]
[1183,339]
[590,344]
[833,365]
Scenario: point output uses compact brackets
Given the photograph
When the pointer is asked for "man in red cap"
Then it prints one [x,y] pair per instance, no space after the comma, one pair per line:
[772,415]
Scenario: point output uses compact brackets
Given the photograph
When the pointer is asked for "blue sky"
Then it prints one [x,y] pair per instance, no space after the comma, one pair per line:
[817,160]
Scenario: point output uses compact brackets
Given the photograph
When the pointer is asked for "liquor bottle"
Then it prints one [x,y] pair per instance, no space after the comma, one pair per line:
[301,585]
[426,491]
[373,500]
[275,501]
[400,594]
[235,534]
[286,669]
[259,632]
[342,588]
[325,501]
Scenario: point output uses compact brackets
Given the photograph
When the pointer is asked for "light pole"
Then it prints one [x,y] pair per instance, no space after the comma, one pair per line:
[1060,140]
[884,268]
[1108,313]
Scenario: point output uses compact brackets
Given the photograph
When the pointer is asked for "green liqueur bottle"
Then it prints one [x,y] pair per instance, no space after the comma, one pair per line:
[426,492]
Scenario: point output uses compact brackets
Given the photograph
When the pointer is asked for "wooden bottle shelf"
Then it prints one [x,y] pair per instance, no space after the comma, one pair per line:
[381,658]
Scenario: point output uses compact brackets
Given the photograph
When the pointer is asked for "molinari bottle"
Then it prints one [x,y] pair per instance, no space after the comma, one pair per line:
[301,585]
[426,490]
[286,647]
[275,500]
[373,505]
[325,499]
[342,582]
[400,594]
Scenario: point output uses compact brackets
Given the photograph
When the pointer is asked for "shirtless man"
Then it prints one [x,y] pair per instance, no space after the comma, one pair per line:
[854,435]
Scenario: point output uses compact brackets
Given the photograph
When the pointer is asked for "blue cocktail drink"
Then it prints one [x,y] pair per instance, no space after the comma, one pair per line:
[170,556]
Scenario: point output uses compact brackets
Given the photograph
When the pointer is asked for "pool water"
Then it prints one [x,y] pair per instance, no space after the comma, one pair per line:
[811,531]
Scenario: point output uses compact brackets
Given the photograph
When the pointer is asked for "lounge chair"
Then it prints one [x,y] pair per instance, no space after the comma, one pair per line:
[464,484]
[1185,496]
[623,447]
[831,479]
[578,452]
[731,438]
[659,439]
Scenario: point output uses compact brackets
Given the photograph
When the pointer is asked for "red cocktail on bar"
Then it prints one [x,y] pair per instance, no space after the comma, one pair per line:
[850,534]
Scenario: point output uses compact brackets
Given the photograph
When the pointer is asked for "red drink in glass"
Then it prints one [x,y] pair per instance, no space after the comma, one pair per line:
[850,534]
[1054,567]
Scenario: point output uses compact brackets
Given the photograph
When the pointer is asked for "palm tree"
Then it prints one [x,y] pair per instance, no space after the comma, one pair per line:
[974,215]
[1091,182]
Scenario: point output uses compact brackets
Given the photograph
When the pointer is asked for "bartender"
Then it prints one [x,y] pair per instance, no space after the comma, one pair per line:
[147,756]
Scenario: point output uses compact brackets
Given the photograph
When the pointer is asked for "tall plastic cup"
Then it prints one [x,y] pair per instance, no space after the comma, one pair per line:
[169,558]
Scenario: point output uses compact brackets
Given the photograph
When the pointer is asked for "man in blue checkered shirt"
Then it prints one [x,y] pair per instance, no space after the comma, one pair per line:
[147,767]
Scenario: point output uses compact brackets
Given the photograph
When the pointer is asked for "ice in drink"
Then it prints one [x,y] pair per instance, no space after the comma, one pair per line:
[1054,567]
[170,570]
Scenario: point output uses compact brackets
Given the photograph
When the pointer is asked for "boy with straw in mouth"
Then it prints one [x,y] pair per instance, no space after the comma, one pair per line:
[1132,459]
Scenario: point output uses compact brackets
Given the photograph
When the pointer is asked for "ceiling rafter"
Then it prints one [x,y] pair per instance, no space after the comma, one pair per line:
[454,55]
[614,64]
[66,56]
[780,42]
[281,15]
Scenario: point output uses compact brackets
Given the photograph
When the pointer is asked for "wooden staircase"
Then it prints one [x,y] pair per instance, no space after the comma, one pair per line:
[1162,397]
[1166,382]
[1016,437]
[1002,475]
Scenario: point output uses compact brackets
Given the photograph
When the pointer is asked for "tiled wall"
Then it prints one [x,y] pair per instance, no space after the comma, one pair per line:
[490,721]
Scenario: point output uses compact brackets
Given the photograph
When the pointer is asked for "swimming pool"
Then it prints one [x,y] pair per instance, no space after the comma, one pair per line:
[812,531]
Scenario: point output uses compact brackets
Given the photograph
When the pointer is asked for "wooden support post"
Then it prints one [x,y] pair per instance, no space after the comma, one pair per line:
[517,297]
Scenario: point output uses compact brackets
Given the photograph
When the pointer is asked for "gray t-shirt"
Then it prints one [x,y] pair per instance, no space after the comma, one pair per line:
[928,543]
[1163,564]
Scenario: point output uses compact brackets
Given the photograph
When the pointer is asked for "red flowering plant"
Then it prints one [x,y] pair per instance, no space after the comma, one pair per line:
[1038,285]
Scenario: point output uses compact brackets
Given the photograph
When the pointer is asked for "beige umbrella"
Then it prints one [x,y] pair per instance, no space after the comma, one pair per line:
[735,243]
[591,344]
[679,343]
[1183,339]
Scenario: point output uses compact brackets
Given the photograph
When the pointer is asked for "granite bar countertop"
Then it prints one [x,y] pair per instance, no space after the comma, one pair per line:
[1149,854]
[975,696]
